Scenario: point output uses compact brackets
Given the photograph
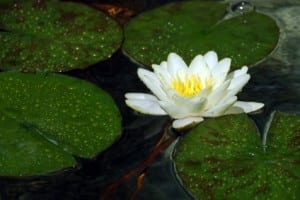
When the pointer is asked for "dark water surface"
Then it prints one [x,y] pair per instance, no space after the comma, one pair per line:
[275,82]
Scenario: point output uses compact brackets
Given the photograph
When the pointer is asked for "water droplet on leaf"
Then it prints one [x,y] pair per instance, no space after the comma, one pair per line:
[242,7]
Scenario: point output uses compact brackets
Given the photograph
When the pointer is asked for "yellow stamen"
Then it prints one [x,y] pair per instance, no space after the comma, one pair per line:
[190,85]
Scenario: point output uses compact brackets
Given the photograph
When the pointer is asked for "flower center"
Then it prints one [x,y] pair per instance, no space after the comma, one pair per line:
[190,85]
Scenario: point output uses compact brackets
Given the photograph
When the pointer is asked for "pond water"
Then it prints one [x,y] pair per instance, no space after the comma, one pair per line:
[275,82]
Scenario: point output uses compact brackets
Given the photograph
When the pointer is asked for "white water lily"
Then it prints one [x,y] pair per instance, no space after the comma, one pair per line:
[188,94]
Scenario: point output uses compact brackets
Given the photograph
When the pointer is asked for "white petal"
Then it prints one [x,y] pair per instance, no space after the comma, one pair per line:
[236,86]
[218,81]
[238,72]
[164,65]
[145,106]
[234,110]
[175,63]
[196,106]
[181,123]
[239,82]
[222,67]
[140,96]
[203,93]
[173,110]
[181,74]
[220,71]
[163,75]
[211,59]
[244,107]
[218,94]
[193,106]
[184,108]
[221,108]
[152,82]
[156,67]
[180,100]
[199,67]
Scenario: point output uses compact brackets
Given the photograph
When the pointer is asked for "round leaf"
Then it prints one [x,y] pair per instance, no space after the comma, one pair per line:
[191,28]
[223,158]
[55,36]
[45,119]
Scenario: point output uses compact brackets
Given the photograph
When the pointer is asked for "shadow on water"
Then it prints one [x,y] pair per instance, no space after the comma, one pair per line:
[277,86]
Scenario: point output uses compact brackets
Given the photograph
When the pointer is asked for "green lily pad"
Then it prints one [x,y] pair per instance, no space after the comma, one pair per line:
[224,158]
[191,28]
[46,35]
[46,119]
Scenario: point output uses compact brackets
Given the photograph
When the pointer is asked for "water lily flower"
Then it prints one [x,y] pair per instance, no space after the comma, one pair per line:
[190,94]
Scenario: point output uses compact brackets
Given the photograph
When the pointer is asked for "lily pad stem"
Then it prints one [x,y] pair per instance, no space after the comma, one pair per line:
[141,168]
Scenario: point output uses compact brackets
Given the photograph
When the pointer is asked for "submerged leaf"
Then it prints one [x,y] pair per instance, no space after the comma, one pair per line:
[45,119]
[224,158]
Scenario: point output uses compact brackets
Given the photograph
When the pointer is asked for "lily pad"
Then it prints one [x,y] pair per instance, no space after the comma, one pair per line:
[46,119]
[224,158]
[47,35]
[191,28]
